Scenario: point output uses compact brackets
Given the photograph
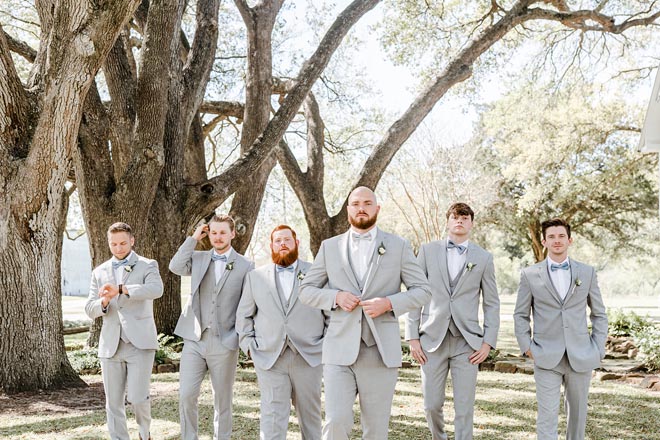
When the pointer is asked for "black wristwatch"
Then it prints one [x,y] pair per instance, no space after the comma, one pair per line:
[121,291]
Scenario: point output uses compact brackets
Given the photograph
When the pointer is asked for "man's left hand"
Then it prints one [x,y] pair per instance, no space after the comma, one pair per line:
[376,306]
[108,291]
[480,355]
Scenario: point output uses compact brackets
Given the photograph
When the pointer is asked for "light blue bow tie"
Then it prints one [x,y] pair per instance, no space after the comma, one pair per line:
[119,263]
[282,268]
[357,236]
[562,266]
[216,257]
[459,247]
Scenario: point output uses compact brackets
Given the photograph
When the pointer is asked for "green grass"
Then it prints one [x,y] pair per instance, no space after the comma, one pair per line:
[505,406]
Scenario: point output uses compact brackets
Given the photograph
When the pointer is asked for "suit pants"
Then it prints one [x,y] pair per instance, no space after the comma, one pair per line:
[128,373]
[198,357]
[548,390]
[451,356]
[367,377]
[291,378]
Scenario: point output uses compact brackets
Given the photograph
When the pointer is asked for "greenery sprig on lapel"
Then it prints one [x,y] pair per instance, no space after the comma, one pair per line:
[300,276]
[470,266]
[229,266]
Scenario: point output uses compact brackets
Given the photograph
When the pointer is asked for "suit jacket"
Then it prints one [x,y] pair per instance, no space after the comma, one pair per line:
[431,322]
[135,314]
[561,326]
[263,325]
[189,262]
[331,272]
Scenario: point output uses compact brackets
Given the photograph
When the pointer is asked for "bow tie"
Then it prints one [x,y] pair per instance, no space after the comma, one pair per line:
[459,247]
[357,236]
[216,257]
[119,263]
[283,269]
[562,266]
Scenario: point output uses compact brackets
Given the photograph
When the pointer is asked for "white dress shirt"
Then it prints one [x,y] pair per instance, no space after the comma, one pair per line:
[561,278]
[286,279]
[361,251]
[220,265]
[455,260]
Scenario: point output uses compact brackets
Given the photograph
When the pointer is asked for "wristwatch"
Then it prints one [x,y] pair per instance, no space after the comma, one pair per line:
[121,291]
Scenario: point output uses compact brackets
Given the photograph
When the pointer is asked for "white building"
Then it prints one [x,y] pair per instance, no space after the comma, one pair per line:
[76,265]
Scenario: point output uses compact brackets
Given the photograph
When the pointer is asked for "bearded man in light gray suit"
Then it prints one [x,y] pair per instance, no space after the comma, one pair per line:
[357,276]
[284,338]
[557,292]
[122,292]
[445,335]
[207,324]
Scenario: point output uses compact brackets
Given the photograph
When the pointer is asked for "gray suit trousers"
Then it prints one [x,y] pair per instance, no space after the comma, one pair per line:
[451,356]
[290,379]
[548,391]
[127,372]
[369,378]
[196,359]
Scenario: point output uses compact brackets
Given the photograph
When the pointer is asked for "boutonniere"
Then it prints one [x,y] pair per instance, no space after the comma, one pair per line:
[578,282]
[129,269]
[229,265]
[470,266]
[381,251]
[300,275]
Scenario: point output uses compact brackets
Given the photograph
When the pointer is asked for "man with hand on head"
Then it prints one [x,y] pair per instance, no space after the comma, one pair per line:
[556,293]
[284,337]
[445,335]
[122,292]
[207,323]
[357,277]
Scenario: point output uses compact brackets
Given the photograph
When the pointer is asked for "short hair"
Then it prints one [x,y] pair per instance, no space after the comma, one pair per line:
[120,227]
[281,228]
[223,218]
[556,222]
[460,208]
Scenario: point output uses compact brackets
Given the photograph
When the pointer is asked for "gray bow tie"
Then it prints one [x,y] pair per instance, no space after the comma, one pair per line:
[562,266]
[459,247]
[357,236]
[119,263]
[216,257]
[284,269]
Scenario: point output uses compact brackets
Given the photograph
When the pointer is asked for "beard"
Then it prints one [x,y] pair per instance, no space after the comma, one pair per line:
[363,223]
[285,260]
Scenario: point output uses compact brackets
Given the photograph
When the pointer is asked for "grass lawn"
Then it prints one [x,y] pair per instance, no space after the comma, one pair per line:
[505,406]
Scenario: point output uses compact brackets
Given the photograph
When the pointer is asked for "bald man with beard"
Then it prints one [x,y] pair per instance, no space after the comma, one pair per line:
[357,278]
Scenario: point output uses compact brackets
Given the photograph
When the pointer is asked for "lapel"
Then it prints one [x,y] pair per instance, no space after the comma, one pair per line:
[471,250]
[443,264]
[545,278]
[131,262]
[575,275]
[302,268]
[199,270]
[345,261]
[272,287]
[374,262]
[225,274]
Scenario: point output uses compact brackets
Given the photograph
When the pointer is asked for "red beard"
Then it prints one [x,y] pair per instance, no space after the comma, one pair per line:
[285,260]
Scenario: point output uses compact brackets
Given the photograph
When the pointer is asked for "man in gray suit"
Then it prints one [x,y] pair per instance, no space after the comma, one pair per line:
[122,292]
[207,323]
[284,338]
[557,292]
[357,276]
[445,334]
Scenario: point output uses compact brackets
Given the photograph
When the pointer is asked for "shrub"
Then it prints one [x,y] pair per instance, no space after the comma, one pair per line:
[648,342]
[621,323]
[169,347]
[84,359]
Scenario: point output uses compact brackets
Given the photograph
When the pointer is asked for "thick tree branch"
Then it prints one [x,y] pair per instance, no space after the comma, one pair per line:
[234,109]
[20,47]
[206,196]
[590,20]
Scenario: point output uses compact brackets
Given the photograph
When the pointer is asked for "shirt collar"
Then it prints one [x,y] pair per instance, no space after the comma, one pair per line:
[227,252]
[550,261]
[373,232]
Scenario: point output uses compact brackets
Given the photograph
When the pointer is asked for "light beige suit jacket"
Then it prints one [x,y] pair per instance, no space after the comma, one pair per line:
[331,272]
[135,314]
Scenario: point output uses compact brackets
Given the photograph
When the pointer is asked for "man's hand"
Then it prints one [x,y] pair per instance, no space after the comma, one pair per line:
[416,351]
[528,353]
[346,300]
[376,306]
[201,232]
[107,292]
[480,355]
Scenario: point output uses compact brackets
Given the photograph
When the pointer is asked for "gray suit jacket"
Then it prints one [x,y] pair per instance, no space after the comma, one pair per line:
[189,262]
[263,325]
[430,323]
[135,314]
[561,326]
[331,272]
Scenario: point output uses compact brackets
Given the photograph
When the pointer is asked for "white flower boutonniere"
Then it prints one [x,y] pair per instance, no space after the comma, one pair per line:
[300,275]
[129,269]
[229,265]
[381,249]
[578,282]
[470,266]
